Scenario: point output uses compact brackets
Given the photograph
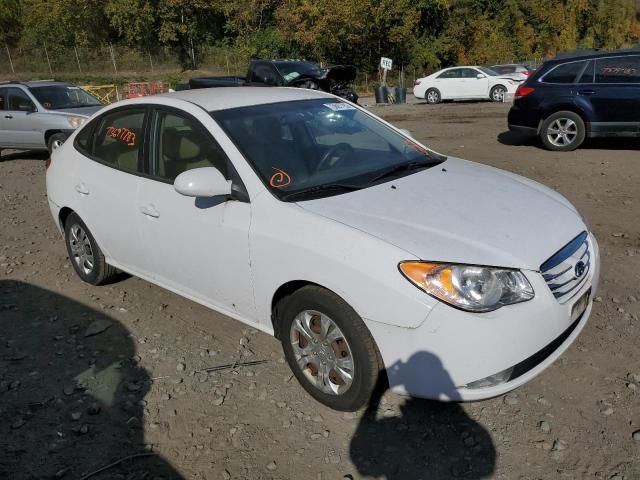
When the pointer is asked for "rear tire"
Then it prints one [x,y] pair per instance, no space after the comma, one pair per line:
[55,141]
[86,257]
[328,348]
[433,96]
[563,131]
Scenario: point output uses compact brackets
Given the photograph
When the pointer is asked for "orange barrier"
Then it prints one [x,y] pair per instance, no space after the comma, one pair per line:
[144,89]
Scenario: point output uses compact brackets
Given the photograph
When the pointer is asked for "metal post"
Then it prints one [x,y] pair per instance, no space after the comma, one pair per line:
[77,58]
[113,59]
[10,61]
[150,61]
[48,61]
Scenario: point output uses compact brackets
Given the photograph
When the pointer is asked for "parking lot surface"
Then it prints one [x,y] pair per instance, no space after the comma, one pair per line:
[92,375]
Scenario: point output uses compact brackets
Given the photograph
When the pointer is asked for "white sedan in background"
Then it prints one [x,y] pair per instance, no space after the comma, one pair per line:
[372,258]
[464,83]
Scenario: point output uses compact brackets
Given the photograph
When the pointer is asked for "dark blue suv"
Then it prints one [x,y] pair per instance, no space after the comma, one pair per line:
[572,98]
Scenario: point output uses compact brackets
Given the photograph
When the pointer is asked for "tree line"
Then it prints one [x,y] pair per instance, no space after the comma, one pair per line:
[424,34]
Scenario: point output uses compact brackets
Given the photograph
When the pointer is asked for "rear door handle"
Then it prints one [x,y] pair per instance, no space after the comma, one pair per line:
[150,211]
[82,189]
[586,92]
[8,116]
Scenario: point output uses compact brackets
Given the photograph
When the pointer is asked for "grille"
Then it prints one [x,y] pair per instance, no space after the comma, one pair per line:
[568,268]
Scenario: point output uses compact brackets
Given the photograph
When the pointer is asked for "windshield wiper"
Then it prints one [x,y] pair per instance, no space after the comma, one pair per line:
[320,188]
[404,167]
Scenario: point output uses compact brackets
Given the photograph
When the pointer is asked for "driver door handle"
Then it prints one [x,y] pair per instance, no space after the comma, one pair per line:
[82,189]
[586,92]
[8,116]
[150,211]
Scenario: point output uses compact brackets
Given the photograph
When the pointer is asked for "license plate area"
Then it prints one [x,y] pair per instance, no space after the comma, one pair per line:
[580,306]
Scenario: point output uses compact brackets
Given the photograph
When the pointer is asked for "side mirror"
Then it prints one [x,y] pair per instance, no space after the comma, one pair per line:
[202,182]
[406,132]
[480,75]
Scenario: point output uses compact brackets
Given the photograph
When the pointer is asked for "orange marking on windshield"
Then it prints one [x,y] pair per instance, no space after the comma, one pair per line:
[280,179]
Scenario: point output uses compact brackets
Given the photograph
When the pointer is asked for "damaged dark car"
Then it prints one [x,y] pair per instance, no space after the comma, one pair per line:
[337,80]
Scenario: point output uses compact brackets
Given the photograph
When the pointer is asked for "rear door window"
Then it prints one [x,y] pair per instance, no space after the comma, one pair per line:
[565,73]
[3,98]
[117,139]
[618,70]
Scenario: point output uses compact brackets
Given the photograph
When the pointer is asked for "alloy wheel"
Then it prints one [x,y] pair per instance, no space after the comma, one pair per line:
[498,94]
[81,249]
[432,97]
[562,132]
[322,352]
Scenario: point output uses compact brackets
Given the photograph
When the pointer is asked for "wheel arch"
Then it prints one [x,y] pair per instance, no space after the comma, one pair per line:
[566,107]
[284,290]
[49,133]
[63,215]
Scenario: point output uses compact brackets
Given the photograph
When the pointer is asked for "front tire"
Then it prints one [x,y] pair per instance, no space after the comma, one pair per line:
[86,257]
[55,141]
[497,93]
[563,131]
[433,96]
[328,348]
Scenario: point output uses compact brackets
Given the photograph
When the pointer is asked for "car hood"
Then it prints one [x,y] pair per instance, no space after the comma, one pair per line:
[460,211]
[82,111]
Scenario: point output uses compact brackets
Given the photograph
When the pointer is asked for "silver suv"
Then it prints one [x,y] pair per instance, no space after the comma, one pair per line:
[42,114]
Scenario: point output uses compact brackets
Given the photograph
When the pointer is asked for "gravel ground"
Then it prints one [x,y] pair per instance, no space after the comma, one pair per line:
[93,375]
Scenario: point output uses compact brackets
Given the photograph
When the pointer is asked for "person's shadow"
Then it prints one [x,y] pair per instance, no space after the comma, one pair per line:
[429,440]
[71,392]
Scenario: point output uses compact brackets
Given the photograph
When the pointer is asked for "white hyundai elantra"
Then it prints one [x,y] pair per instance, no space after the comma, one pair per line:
[371,257]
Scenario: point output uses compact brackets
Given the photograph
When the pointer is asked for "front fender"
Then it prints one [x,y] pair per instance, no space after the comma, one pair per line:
[288,243]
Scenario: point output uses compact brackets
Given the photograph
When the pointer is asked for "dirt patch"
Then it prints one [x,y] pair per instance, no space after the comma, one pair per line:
[71,403]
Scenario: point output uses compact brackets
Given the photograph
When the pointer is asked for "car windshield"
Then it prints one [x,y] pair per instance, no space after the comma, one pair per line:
[488,71]
[310,148]
[56,97]
[292,70]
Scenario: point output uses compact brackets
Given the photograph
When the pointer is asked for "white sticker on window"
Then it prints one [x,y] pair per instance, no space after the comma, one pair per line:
[73,88]
[338,106]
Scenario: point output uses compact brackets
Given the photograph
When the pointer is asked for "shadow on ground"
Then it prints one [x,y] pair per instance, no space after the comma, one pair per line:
[429,440]
[24,155]
[71,392]
[515,140]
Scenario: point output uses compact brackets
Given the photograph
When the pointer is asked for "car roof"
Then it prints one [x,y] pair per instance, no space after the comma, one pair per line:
[46,83]
[573,56]
[225,98]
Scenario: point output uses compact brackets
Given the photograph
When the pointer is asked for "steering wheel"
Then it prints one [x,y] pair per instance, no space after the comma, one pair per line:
[337,151]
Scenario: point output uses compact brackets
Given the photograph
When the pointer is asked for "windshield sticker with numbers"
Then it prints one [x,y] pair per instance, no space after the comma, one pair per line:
[339,106]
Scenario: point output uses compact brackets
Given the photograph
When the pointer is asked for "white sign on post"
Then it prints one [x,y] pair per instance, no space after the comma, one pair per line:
[386,63]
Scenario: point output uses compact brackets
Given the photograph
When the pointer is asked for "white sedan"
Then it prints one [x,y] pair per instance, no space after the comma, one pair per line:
[464,83]
[372,258]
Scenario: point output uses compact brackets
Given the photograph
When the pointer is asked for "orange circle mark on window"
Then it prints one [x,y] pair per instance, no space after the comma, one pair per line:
[280,179]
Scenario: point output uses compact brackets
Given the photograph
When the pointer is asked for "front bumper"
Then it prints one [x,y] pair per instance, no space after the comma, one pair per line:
[453,349]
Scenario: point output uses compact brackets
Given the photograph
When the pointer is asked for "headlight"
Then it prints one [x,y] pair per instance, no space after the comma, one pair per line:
[469,287]
[76,122]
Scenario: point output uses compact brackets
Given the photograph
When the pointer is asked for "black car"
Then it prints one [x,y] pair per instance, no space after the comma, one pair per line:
[289,73]
[569,99]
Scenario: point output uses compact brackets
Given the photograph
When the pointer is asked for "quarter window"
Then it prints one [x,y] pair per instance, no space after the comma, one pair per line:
[618,70]
[117,139]
[565,73]
[184,144]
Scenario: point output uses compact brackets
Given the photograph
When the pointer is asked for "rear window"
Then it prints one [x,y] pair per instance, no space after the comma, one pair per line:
[565,73]
[618,70]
